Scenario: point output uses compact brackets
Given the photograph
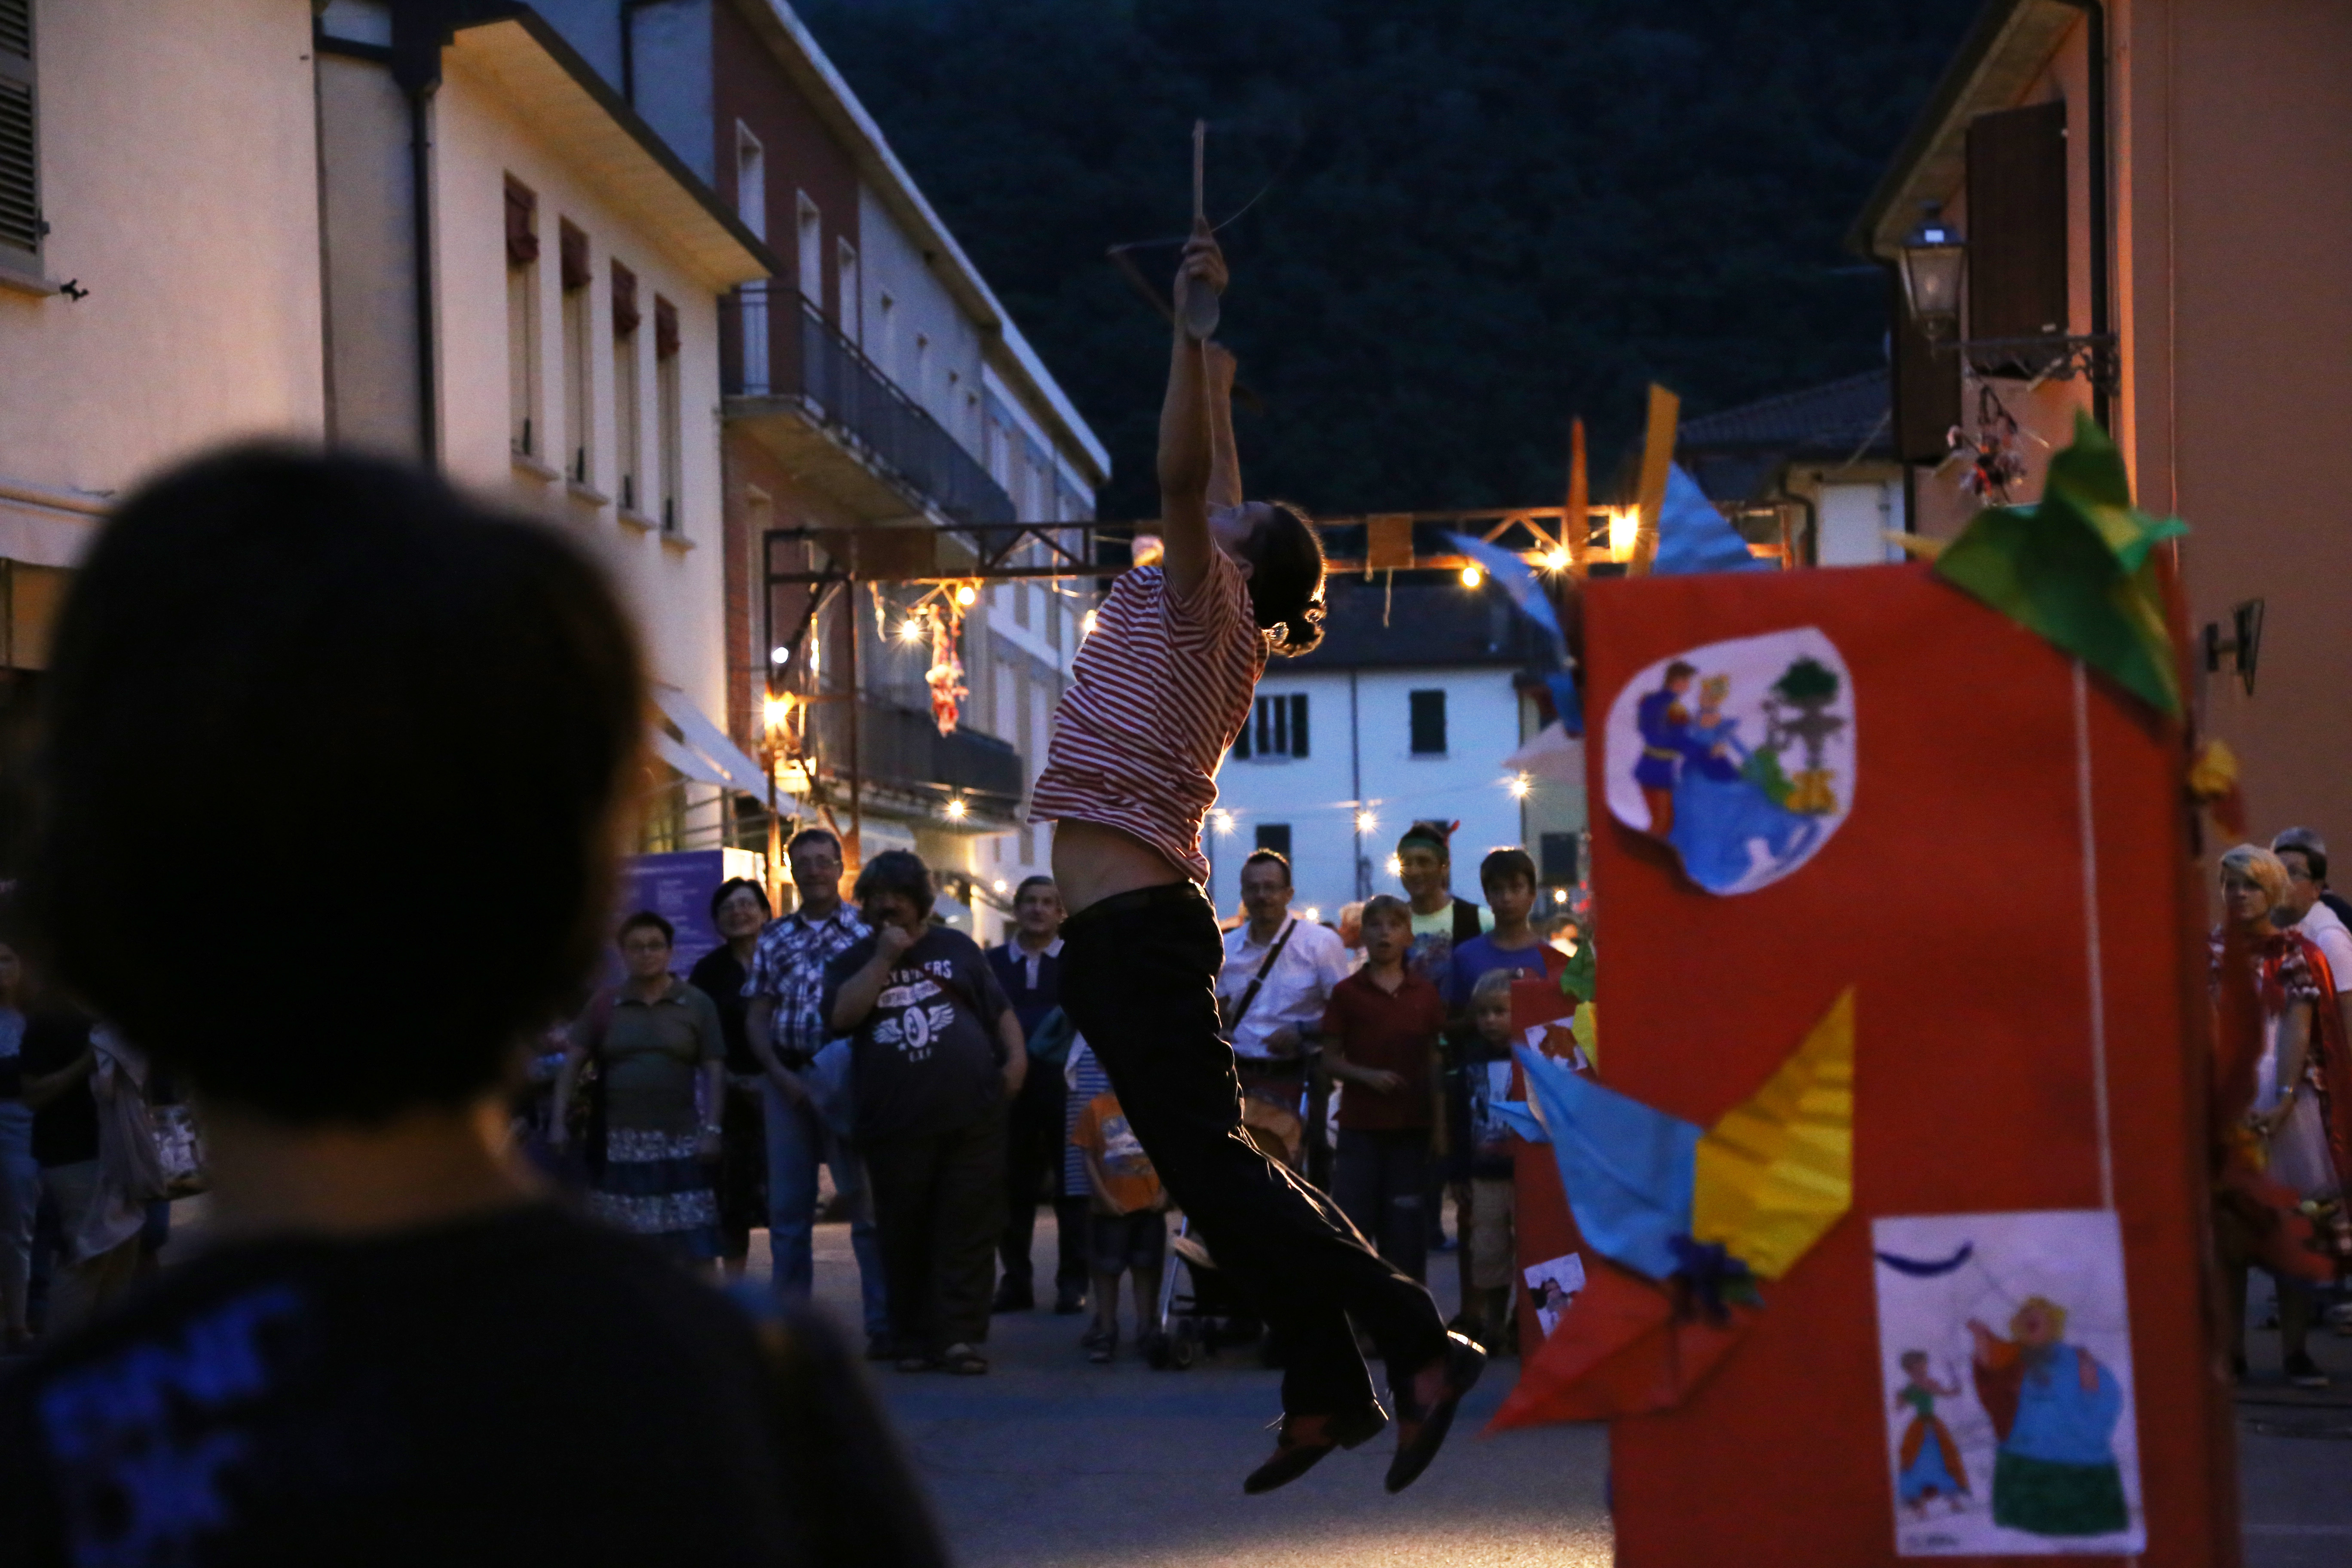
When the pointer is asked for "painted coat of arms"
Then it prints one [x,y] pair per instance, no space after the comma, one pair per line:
[1738,754]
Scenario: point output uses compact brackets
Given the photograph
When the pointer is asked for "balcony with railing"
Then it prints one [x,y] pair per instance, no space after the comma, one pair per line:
[900,749]
[807,393]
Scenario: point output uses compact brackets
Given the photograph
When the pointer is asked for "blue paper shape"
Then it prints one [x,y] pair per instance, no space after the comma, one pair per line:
[1567,700]
[1693,537]
[1629,1170]
[1520,1118]
[1515,577]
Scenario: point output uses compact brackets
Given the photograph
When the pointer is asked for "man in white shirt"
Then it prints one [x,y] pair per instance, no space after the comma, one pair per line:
[1269,1027]
[2304,909]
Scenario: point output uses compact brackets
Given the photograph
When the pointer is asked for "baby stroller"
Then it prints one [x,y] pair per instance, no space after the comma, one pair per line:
[1208,1312]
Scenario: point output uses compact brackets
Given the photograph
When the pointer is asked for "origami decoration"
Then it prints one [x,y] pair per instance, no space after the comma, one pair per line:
[1693,537]
[2075,568]
[1690,1220]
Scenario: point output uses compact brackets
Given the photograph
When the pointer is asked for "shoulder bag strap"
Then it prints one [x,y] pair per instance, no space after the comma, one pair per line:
[1258,980]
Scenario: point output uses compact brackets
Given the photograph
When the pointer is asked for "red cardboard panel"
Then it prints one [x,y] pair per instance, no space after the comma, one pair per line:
[1953,899]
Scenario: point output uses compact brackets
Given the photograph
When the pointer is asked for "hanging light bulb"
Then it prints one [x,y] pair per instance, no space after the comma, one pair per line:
[912,631]
[1366,822]
[1521,785]
[966,594]
[1556,561]
[780,656]
[1222,821]
[1472,576]
[956,808]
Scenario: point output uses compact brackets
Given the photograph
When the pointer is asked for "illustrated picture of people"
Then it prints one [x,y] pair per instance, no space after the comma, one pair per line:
[1930,1460]
[2054,1408]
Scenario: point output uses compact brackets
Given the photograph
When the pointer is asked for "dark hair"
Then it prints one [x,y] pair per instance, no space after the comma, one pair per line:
[1438,836]
[646,919]
[289,628]
[1679,670]
[1502,863]
[1286,584]
[2307,843]
[812,836]
[898,871]
[727,889]
[1269,857]
[1039,880]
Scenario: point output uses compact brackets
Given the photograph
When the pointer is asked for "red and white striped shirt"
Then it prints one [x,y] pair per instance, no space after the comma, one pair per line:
[1161,687]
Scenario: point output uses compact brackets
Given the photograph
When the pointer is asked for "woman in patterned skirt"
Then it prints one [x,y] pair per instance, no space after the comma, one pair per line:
[653,1132]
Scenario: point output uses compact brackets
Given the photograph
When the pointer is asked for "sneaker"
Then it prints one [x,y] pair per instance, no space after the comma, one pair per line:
[1105,1348]
[1305,1439]
[1426,1407]
[1013,1295]
[2305,1373]
[1097,1334]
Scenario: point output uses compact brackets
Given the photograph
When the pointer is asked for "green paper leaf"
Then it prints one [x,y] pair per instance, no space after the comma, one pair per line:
[2074,568]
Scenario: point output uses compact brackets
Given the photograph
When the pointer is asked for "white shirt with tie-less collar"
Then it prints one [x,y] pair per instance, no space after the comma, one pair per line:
[1296,988]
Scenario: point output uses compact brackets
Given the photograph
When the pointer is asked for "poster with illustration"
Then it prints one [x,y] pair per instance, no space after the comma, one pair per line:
[1553,1284]
[1741,755]
[2005,1349]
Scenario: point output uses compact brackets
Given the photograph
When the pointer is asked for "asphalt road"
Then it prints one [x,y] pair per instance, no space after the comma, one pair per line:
[1050,1462]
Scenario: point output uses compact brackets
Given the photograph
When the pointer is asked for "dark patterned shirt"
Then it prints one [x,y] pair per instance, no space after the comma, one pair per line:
[788,967]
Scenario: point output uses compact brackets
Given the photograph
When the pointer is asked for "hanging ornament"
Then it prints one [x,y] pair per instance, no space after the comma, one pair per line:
[946,674]
[1994,463]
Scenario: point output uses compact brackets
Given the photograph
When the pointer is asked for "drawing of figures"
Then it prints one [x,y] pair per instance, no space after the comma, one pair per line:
[1721,809]
[1661,719]
[2054,1409]
[1809,687]
[1930,1460]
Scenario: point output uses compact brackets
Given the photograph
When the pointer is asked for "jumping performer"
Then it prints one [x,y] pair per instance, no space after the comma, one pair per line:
[1161,687]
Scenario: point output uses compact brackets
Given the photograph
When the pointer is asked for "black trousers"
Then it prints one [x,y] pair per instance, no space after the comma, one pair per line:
[1138,976]
[938,1205]
[1381,1180]
[1033,1151]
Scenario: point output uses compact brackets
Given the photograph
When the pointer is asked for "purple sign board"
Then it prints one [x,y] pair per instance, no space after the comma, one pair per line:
[678,886]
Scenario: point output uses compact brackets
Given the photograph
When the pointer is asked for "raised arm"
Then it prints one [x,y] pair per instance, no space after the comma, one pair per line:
[1225,460]
[1187,439]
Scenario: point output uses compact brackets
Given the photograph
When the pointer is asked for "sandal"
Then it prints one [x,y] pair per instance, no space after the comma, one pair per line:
[963,1361]
[1426,1407]
[1305,1440]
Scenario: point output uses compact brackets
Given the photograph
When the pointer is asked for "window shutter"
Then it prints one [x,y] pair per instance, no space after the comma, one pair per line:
[664,328]
[1927,387]
[573,256]
[1298,725]
[1242,741]
[1275,836]
[1558,868]
[522,224]
[1264,728]
[2016,223]
[20,162]
[624,301]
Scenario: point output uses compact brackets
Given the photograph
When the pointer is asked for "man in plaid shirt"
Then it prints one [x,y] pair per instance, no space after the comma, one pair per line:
[786,1024]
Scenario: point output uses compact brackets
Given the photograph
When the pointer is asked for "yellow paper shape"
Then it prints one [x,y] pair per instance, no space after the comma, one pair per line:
[1778,1170]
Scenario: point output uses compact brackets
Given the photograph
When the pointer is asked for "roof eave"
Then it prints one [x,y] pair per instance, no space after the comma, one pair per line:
[699,225]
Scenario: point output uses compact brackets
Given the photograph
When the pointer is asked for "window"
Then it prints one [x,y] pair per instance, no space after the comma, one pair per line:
[884,350]
[20,151]
[751,206]
[1428,724]
[811,279]
[1277,728]
[579,332]
[668,413]
[629,423]
[522,319]
[1275,836]
[849,308]
[1556,862]
[2017,223]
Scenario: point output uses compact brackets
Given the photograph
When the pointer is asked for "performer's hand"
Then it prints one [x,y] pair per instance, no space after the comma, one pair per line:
[1203,267]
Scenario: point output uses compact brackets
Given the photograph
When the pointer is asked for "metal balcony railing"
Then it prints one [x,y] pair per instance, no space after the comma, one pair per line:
[778,344]
[902,748]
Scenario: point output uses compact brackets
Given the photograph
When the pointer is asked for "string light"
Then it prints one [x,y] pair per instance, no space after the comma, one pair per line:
[1520,787]
[1000,884]
[1396,866]
[1556,561]
[966,594]
[1472,576]
[911,631]
[1222,821]
[777,711]
[1366,822]
[1086,627]
[956,809]
[1313,915]
[780,656]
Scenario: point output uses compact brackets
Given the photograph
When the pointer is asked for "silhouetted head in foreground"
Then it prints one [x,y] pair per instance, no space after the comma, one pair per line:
[281,674]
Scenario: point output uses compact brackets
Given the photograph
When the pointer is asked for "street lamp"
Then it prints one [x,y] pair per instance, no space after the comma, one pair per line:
[1934,257]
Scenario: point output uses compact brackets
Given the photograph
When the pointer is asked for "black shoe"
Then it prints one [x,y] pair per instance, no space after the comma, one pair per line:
[2303,1371]
[1305,1440]
[1069,1301]
[1105,1348]
[1013,1295]
[1426,1407]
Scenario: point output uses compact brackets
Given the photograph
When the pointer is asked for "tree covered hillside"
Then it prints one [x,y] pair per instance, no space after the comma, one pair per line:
[1484,215]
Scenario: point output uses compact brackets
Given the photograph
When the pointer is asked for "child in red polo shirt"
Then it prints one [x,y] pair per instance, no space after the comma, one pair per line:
[1381,1030]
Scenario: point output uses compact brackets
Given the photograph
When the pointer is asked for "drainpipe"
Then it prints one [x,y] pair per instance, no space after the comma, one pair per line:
[1356,788]
[2094,16]
[418,31]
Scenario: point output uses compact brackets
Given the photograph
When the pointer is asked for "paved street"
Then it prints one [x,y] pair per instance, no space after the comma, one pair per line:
[1049,1461]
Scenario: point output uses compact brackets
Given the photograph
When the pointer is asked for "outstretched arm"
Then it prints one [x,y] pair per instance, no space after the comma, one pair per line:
[1225,464]
[1186,442]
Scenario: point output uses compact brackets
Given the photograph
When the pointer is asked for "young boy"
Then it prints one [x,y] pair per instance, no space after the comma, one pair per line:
[396,1349]
[1161,688]
[1379,1038]
[1509,877]
[1483,1154]
[1126,1232]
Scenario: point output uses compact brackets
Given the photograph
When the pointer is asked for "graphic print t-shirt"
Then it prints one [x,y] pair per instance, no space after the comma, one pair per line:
[1129,1181]
[926,1059]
